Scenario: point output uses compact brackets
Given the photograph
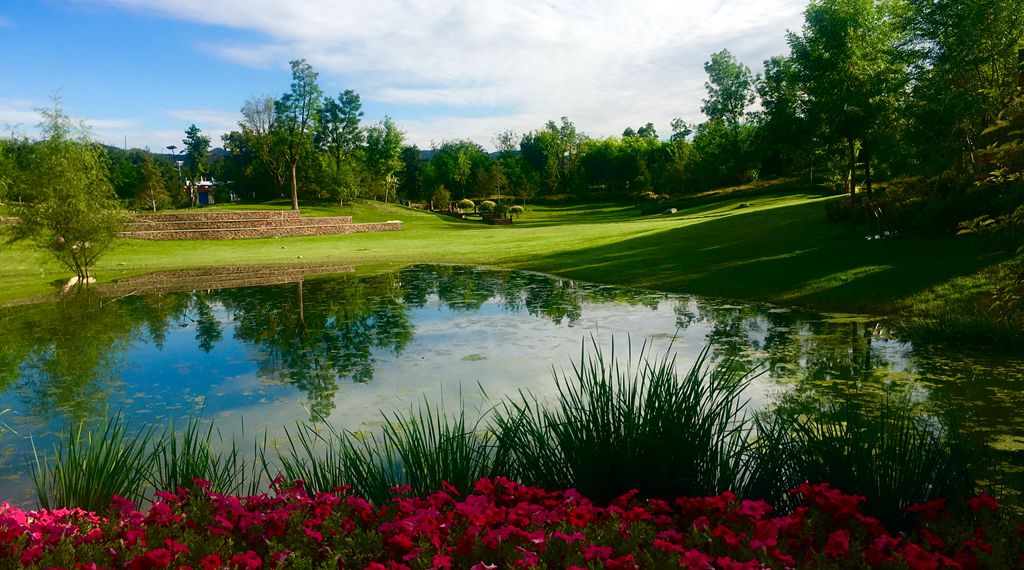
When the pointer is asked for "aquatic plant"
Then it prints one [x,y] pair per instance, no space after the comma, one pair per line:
[639,426]
[90,466]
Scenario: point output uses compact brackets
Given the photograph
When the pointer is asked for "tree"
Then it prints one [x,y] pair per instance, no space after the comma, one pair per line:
[197,150]
[852,69]
[74,214]
[152,190]
[296,115]
[730,88]
[782,128]
[259,136]
[384,143]
[339,132]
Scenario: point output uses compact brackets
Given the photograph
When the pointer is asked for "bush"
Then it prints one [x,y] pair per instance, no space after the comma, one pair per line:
[466,205]
[486,206]
[516,211]
[441,198]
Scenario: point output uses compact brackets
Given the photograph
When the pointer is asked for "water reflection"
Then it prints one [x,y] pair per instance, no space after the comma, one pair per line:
[276,345]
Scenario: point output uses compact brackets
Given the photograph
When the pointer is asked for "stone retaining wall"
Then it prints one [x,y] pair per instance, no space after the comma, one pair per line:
[227,215]
[143,224]
[263,232]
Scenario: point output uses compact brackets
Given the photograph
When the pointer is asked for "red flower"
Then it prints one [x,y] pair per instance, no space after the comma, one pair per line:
[838,545]
[931,510]
[918,558]
[211,562]
[156,558]
[982,501]
[248,561]
[591,551]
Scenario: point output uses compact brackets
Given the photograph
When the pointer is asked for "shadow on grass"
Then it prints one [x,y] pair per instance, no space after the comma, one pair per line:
[789,254]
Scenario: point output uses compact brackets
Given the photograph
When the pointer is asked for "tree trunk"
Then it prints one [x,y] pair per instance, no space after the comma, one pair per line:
[867,169]
[295,187]
[852,170]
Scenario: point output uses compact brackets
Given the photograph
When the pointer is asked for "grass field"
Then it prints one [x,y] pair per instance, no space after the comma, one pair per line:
[780,249]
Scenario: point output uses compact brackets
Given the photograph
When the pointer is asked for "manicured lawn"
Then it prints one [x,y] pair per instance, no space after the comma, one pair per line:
[781,248]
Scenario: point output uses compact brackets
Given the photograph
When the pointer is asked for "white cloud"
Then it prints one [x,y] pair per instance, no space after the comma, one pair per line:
[605,64]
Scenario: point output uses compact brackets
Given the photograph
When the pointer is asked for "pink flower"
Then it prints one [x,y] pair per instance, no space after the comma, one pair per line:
[248,561]
[590,552]
[982,501]
[838,545]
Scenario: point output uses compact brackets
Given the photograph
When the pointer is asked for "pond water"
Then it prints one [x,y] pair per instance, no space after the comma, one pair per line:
[346,347]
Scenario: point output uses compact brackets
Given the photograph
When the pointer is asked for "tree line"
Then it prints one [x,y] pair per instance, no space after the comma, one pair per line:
[869,90]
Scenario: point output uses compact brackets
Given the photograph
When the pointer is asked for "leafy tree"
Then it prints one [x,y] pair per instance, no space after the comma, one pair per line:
[296,115]
[384,142]
[152,190]
[414,172]
[553,153]
[782,128]
[197,150]
[852,68]
[259,137]
[74,214]
[338,136]
[965,74]
[730,88]
[455,162]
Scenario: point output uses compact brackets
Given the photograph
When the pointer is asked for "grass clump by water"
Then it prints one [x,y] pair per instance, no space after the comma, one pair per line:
[892,455]
[181,458]
[90,466]
[616,428]
[423,448]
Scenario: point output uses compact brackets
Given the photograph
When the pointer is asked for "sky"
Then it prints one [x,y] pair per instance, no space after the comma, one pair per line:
[139,72]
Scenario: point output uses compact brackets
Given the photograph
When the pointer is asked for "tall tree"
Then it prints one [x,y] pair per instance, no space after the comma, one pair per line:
[197,150]
[730,87]
[384,143]
[781,122]
[296,115]
[966,74]
[339,132]
[852,69]
[258,136]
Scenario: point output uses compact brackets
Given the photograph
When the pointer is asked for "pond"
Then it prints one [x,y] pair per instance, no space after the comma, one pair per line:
[259,349]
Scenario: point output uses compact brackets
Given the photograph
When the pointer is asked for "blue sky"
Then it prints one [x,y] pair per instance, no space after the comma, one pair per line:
[144,70]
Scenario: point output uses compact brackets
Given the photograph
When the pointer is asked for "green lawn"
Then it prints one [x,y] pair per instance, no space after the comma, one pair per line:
[781,249]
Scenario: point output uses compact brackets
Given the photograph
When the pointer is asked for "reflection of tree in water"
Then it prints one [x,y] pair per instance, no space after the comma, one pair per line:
[59,357]
[312,334]
[557,299]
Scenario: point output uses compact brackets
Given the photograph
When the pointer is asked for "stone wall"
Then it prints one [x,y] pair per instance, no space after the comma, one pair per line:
[263,232]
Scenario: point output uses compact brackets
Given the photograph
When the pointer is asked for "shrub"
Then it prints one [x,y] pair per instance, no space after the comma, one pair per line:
[486,206]
[516,211]
[466,205]
[441,198]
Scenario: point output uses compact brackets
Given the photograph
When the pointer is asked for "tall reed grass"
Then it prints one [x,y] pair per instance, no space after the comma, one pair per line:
[640,426]
[887,452]
[89,466]
[421,448]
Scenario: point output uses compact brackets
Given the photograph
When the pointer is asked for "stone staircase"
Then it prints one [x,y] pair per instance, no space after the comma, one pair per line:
[224,225]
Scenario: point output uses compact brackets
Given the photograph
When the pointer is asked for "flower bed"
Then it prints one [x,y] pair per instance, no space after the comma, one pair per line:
[502,525]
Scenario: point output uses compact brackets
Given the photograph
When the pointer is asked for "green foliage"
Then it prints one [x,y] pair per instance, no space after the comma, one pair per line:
[296,115]
[197,150]
[152,189]
[441,198]
[180,458]
[89,466]
[486,207]
[384,143]
[889,453]
[613,428]
[72,212]
[466,205]
[730,88]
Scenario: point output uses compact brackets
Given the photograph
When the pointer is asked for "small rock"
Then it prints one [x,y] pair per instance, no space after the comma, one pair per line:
[745,205]
[299,257]
[670,211]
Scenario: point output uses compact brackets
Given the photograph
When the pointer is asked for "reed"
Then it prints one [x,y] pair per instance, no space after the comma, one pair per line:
[615,428]
[88,467]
